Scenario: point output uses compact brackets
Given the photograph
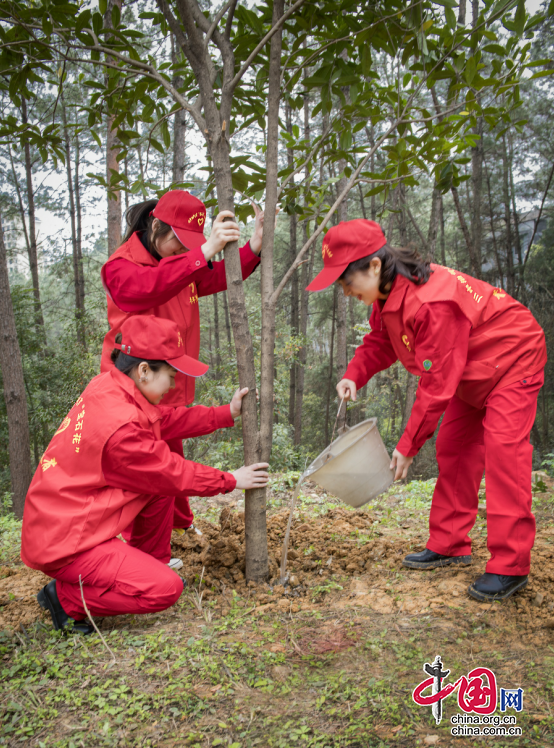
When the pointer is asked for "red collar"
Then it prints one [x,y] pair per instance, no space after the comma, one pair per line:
[396,296]
[151,411]
[139,251]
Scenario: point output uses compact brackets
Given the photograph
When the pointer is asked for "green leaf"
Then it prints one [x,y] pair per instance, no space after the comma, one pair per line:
[165,133]
[542,74]
[97,23]
[470,70]
[46,24]
[495,49]
[366,59]
[346,140]
[519,18]
[116,16]
[157,145]
[375,190]
[550,11]
[450,18]
[103,6]
[82,21]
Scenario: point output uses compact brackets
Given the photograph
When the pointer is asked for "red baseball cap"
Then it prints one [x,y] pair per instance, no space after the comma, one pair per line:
[156,339]
[342,244]
[185,214]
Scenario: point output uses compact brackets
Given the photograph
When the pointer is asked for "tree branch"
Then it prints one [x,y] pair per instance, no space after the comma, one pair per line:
[314,150]
[537,220]
[216,21]
[416,227]
[264,41]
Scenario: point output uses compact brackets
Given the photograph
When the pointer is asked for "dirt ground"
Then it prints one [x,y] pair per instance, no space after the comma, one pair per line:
[360,547]
[349,611]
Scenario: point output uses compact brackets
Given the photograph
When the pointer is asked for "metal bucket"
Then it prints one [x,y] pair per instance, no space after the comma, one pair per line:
[355,467]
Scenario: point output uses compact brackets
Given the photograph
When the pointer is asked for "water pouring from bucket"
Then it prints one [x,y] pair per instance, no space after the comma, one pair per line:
[355,467]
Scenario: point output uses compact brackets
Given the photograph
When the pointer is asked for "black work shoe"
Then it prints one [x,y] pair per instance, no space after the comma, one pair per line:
[48,599]
[430,560]
[491,587]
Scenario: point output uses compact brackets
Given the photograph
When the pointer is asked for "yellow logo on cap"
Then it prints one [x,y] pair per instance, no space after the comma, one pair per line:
[326,251]
[179,340]
[200,217]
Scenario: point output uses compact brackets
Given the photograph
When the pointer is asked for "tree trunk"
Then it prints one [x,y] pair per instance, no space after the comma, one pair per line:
[510,285]
[493,231]
[401,216]
[114,196]
[179,127]
[78,217]
[112,164]
[462,12]
[305,278]
[294,290]
[434,223]
[330,376]
[443,245]
[342,352]
[227,320]
[517,237]
[477,189]
[256,443]
[217,338]
[77,271]
[465,230]
[14,391]
[409,400]
[32,245]
[258,569]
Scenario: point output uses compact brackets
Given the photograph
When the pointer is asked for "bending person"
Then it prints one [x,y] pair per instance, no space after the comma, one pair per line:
[480,356]
[108,466]
[163,266]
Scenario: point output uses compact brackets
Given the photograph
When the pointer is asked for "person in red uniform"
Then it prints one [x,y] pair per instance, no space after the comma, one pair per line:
[163,266]
[480,356]
[108,466]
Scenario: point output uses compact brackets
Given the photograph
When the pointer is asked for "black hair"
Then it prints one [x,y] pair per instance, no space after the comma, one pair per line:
[125,363]
[395,261]
[138,218]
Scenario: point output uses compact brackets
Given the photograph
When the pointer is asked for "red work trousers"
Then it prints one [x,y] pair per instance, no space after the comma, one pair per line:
[494,439]
[120,578]
[182,514]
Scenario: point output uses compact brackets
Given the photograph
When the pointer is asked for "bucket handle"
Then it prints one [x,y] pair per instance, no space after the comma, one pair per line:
[336,421]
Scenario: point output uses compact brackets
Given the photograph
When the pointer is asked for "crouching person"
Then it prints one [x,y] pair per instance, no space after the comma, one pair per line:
[109,467]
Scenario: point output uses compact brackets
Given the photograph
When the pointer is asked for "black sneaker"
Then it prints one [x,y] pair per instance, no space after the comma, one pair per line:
[430,560]
[491,587]
[48,599]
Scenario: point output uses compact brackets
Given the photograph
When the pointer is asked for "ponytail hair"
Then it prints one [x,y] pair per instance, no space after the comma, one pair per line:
[395,261]
[125,363]
[139,218]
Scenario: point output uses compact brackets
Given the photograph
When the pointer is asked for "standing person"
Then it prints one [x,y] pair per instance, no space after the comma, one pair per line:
[480,355]
[109,465]
[163,266]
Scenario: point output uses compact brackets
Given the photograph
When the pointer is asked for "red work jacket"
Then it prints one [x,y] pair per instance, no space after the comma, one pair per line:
[460,335]
[137,283]
[70,508]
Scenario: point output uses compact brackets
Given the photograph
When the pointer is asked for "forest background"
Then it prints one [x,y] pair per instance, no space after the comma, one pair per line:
[433,118]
